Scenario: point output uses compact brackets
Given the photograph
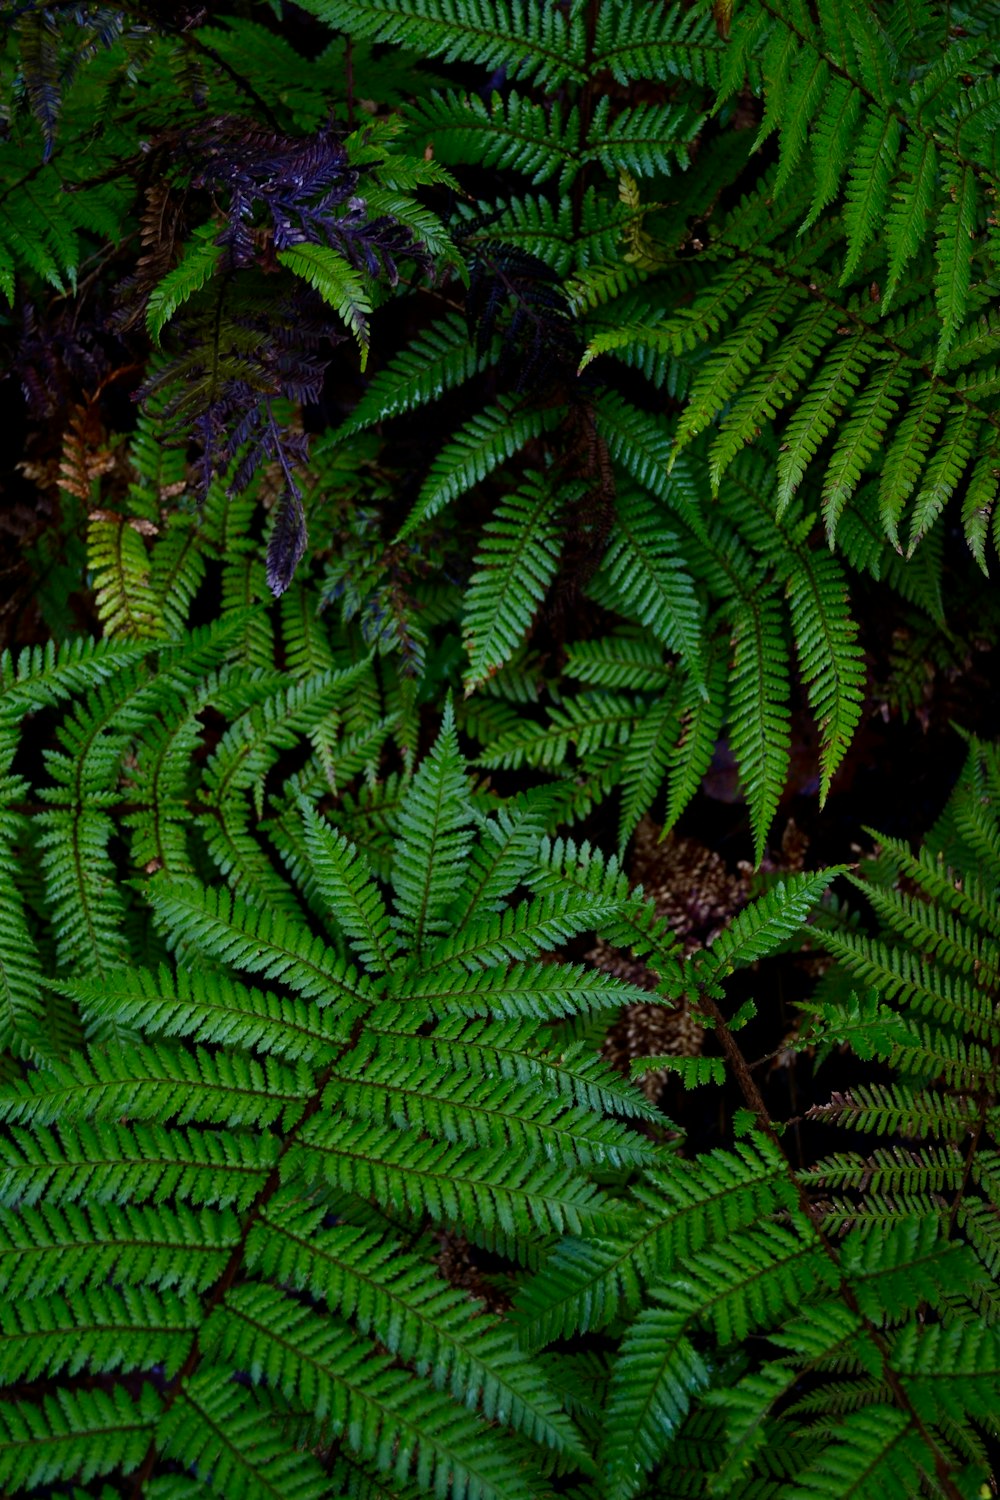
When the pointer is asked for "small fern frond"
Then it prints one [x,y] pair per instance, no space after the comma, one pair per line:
[435,835]
[649,582]
[830,660]
[514,568]
[200,259]
[484,443]
[341,286]
[547,47]
[438,361]
[758,711]
[349,893]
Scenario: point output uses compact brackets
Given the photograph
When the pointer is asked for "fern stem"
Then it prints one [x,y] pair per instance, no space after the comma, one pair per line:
[755,1102]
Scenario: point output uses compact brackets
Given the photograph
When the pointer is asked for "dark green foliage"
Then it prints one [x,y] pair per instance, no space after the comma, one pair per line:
[538,407]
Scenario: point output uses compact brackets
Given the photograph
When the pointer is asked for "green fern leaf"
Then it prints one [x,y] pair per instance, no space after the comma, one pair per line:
[761,927]
[954,449]
[127,604]
[351,897]
[830,659]
[546,46]
[645,763]
[338,283]
[199,262]
[657,1375]
[434,839]
[480,447]
[625,662]
[514,568]
[868,182]
[503,132]
[908,219]
[758,711]
[260,941]
[979,505]
[74,1435]
[701,716]
[643,140]
[956,227]
[831,391]
[859,439]
[438,361]
[20,969]
[649,582]
[831,138]
[907,454]
[321,1363]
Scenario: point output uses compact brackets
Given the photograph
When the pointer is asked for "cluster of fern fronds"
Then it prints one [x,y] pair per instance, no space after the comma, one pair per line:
[535,407]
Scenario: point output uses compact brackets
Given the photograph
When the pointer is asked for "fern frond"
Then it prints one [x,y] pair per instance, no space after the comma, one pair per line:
[341,286]
[481,446]
[323,1364]
[587,1284]
[511,131]
[908,218]
[515,566]
[868,182]
[644,139]
[545,46]
[829,394]
[543,992]
[700,713]
[441,359]
[657,1375]
[955,446]
[956,227]
[830,660]
[650,583]
[74,1435]
[895,1109]
[470,1189]
[200,259]
[758,711]
[417,1316]
[625,662]
[646,762]
[351,897]
[121,1163]
[762,926]
[127,603]
[434,839]
[261,942]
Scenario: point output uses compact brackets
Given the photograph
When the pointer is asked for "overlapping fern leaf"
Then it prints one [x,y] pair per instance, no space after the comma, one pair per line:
[932,962]
[727,610]
[253,1101]
[830,1331]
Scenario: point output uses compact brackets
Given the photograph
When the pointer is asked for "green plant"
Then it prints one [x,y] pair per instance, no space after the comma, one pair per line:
[195,1165]
[536,406]
[828,1331]
[242,1122]
[784,316]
